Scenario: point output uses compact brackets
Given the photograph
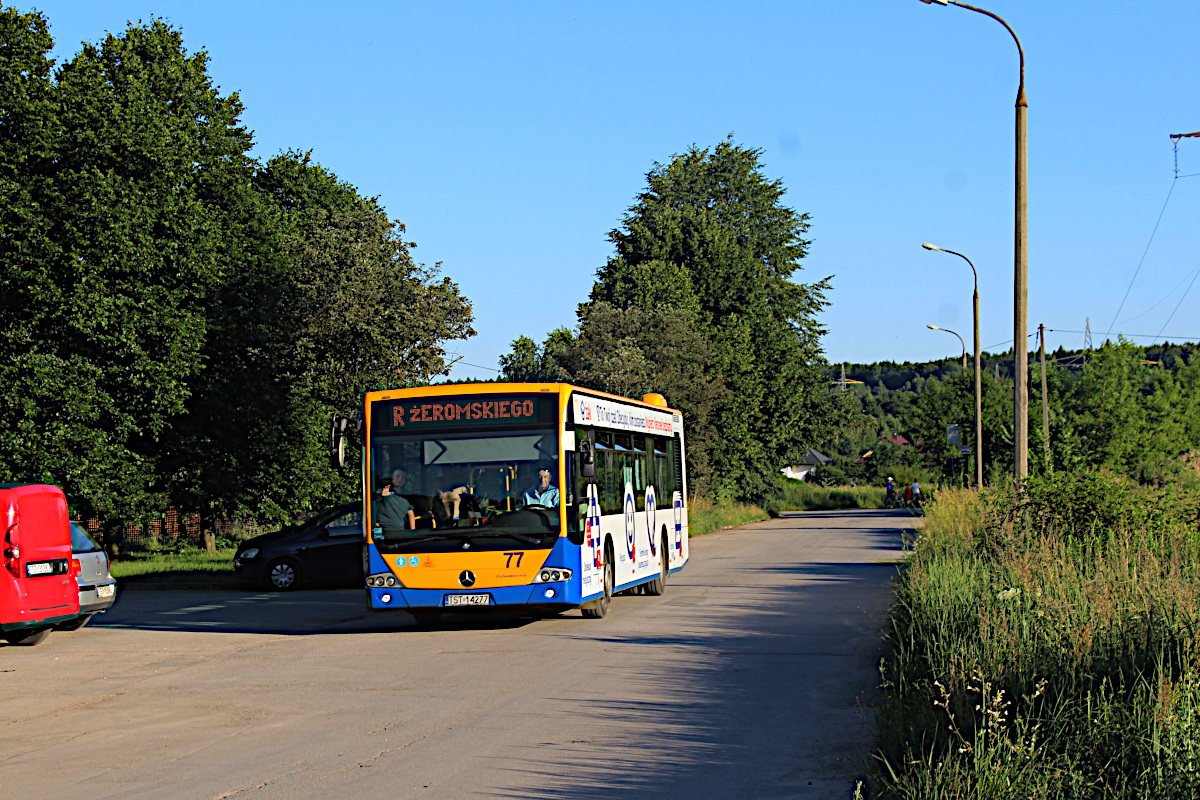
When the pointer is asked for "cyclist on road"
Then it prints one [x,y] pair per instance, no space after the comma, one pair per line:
[891,492]
[916,493]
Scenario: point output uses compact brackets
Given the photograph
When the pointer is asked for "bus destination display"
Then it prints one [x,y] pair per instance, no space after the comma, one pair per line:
[458,411]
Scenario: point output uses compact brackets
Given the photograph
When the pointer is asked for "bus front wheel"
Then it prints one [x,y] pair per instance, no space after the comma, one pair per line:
[598,608]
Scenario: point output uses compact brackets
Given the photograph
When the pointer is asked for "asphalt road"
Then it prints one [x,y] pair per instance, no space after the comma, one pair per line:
[748,679]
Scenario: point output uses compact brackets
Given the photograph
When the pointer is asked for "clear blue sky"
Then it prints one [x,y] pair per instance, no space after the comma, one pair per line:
[510,137]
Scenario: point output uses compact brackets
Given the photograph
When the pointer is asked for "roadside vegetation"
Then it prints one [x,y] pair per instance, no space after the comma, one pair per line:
[1047,645]
[796,495]
[706,515]
[187,565]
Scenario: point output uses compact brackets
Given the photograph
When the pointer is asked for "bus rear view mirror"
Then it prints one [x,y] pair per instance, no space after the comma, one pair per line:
[337,441]
[587,460]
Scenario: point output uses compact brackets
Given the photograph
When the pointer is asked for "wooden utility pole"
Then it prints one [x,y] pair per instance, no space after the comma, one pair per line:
[1045,396]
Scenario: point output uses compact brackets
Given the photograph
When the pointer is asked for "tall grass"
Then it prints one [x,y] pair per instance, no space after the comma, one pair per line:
[796,495]
[1047,646]
[706,515]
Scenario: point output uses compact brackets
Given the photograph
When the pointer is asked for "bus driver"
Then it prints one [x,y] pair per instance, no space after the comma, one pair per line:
[544,494]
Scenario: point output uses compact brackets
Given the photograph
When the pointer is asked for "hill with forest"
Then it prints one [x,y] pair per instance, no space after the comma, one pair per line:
[894,414]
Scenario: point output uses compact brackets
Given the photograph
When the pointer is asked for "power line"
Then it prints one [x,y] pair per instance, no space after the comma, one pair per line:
[1174,289]
[1010,341]
[1175,137]
[1130,335]
[478,366]
[1143,259]
[1177,305]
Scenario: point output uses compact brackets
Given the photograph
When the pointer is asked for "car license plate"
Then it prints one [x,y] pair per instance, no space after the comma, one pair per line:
[41,568]
[468,599]
[105,591]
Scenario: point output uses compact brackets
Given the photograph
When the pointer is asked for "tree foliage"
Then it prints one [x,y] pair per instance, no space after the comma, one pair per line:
[179,319]
[1126,408]
[711,240]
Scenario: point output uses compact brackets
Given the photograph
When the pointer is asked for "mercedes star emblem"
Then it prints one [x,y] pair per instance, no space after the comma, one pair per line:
[467,578]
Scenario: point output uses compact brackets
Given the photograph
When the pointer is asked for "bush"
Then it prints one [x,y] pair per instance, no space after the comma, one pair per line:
[1046,645]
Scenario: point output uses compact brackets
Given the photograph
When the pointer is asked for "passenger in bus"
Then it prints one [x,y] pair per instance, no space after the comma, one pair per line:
[544,494]
[391,511]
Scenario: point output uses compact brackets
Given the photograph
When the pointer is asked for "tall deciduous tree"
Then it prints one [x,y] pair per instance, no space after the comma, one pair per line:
[114,298]
[331,304]
[711,237]
[630,351]
[28,126]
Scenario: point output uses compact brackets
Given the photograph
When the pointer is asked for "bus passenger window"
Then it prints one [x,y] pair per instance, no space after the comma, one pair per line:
[609,495]
[662,474]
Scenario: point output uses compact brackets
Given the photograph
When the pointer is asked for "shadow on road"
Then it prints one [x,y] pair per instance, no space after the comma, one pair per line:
[302,613]
[754,681]
[856,513]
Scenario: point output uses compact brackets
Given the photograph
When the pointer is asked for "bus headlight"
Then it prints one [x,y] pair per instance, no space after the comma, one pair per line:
[382,580]
[552,575]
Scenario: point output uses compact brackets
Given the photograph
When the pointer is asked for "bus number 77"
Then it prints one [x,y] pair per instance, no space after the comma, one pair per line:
[508,561]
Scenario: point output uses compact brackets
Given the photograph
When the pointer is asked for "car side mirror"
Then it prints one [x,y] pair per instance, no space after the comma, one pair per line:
[587,460]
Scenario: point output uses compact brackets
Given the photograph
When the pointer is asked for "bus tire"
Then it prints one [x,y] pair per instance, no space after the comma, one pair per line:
[598,608]
[26,637]
[282,575]
[658,586]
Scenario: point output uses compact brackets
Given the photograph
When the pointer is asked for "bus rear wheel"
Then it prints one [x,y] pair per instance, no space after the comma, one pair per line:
[598,608]
[658,586]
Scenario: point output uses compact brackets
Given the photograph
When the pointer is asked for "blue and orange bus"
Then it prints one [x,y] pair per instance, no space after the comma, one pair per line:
[534,495]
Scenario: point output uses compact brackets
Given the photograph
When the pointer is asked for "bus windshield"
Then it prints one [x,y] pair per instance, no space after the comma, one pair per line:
[467,485]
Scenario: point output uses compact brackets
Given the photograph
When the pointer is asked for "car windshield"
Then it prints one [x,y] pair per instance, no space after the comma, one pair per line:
[467,486]
[80,541]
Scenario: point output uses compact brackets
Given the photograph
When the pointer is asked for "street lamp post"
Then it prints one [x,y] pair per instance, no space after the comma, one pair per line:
[1021,264]
[960,341]
[978,382]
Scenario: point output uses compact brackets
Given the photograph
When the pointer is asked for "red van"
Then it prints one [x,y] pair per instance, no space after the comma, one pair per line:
[38,589]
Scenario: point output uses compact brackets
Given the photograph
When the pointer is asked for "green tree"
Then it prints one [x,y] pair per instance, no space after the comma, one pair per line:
[528,362]
[331,304]
[28,128]
[711,238]
[129,252]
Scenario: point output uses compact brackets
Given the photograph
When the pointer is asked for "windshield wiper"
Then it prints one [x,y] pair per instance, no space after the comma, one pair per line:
[421,539]
[520,537]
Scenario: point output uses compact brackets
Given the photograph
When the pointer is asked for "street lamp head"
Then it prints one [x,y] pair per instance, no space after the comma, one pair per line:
[933,327]
[929,246]
[938,2]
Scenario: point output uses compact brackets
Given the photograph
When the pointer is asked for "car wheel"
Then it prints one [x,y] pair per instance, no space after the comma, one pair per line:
[26,637]
[74,624]
[282,575]
[599,608]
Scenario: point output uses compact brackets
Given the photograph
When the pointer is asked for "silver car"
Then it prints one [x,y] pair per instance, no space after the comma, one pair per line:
[97,587]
